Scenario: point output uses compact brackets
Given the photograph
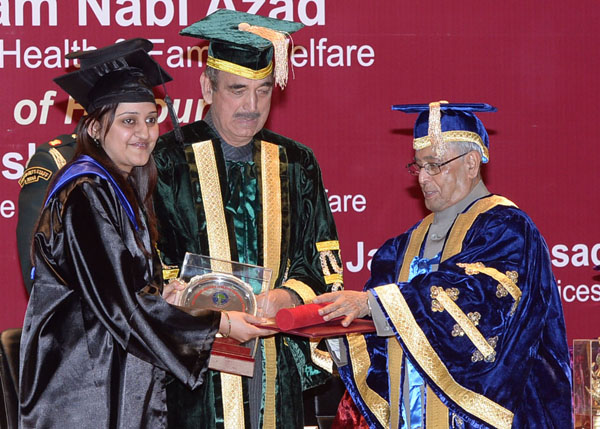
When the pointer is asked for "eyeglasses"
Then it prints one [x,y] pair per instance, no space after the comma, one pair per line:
[431,168]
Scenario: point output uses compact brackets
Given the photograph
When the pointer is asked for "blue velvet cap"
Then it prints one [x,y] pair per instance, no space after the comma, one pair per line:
[453,122]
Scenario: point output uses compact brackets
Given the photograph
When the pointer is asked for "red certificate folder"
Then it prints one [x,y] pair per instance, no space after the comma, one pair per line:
[227,355]
[305,321]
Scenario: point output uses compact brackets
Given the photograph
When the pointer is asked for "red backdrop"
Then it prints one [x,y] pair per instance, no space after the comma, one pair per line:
[536,61]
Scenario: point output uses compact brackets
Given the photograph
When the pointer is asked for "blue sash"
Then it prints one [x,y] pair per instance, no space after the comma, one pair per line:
[87,166]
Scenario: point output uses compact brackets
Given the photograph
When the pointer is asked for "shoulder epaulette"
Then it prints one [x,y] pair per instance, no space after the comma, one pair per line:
[63,139]
[35,173]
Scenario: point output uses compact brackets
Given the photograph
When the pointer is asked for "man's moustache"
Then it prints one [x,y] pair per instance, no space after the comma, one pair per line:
[247,116]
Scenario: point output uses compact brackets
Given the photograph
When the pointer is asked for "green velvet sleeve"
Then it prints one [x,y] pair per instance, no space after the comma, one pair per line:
[174,203]
[311,223]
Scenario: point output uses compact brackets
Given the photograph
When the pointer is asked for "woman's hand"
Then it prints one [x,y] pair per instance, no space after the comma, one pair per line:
[349,303]
[172,291]
[241,326]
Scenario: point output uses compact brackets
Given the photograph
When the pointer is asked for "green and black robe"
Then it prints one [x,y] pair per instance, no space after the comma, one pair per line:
[272,211]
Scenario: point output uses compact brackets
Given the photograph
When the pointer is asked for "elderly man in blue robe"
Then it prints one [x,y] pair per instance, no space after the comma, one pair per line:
[470,328]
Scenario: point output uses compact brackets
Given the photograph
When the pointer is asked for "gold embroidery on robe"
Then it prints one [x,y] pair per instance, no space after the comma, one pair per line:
[332,271]
[271,202]
[452,247]
[360,365]
[418,345]
[464,222]
[468,327]
[507,283]
[302,289]
[218,243]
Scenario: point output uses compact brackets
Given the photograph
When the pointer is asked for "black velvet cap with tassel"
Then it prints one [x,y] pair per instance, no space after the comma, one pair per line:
[123,72]
[118,73]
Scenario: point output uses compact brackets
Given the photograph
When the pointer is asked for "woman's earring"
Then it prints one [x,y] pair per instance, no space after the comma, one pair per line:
[97,142]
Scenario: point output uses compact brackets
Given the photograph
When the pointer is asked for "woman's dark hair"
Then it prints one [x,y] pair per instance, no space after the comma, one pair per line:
[138,186]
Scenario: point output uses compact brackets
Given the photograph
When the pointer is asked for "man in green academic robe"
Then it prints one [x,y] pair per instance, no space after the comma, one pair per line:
[236,191]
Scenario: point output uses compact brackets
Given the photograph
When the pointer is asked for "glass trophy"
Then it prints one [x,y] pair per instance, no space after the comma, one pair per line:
[586,383]
[222,285]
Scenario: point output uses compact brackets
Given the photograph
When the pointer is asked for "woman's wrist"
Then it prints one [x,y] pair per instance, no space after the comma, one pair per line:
[225,325]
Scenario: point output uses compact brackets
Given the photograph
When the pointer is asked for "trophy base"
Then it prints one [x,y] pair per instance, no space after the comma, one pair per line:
[229,356]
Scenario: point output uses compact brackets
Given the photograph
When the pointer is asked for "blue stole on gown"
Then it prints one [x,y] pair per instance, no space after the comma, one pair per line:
[416,384]
[85,166]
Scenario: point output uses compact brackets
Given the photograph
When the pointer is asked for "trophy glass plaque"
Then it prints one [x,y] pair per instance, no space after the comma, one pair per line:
[221,285]
[586,383]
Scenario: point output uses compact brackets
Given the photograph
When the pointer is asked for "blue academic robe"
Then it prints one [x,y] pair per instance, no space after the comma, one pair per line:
[485,331]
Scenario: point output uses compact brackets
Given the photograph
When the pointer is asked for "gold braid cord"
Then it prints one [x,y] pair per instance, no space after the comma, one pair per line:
[319,357]
[395,355]
[464,221]
[302,289]
[239,70]
[214,208]
[435,128]
[328,259]
[280,49]
[446,302]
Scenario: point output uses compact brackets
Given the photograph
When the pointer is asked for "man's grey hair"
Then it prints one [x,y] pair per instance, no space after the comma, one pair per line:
[464,147]
[213,77]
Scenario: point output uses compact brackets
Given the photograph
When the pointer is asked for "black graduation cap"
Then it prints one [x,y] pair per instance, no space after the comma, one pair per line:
[122,72]
[245,44]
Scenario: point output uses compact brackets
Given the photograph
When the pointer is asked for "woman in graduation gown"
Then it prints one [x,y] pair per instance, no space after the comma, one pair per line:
[98,338]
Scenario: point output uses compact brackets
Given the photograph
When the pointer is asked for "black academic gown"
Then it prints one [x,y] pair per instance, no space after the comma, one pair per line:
[98,339]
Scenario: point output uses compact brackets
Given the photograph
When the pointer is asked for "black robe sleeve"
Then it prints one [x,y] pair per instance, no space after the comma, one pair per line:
[90,246]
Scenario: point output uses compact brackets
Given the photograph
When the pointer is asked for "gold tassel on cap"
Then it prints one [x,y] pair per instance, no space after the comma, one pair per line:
[435,128]
[280,49]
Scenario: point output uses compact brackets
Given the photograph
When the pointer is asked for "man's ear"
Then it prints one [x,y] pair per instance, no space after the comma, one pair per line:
[473,161]
[207,89]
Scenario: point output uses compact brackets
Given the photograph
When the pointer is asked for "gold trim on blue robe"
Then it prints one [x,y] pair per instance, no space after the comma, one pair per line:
[529,343]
